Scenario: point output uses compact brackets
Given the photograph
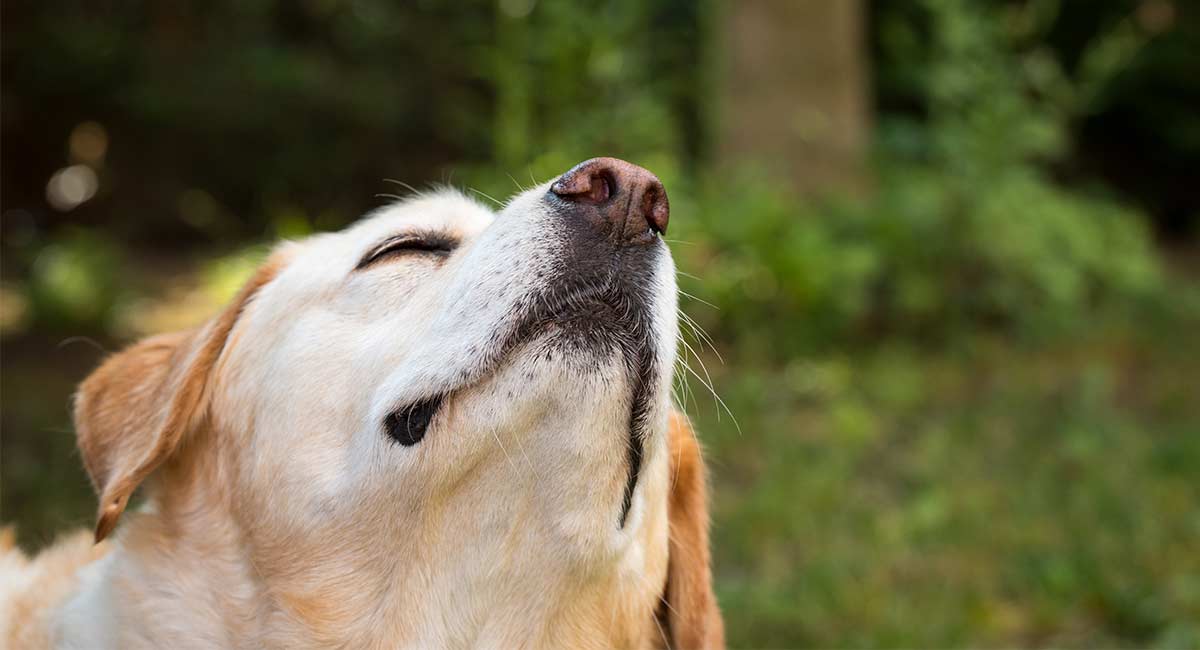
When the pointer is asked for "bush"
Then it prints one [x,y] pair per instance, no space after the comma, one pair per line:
[966,229]
[927,257]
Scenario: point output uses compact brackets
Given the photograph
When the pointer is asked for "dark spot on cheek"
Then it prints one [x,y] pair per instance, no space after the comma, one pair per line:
[408,425]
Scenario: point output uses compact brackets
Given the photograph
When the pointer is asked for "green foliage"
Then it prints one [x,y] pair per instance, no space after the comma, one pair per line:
[993,498]
[963,402]
[928,256]
[965,231]
[74,282]
[567,90]
[1116,70]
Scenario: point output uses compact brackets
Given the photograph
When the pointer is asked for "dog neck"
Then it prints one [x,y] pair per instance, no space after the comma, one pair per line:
[189,567]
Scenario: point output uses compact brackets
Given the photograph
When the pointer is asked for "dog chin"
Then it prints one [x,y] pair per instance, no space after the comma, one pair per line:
[613,330]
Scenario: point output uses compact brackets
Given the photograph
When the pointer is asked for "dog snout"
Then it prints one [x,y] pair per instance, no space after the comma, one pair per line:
[628,200]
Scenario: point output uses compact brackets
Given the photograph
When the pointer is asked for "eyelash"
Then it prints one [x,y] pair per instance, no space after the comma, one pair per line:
[436,245]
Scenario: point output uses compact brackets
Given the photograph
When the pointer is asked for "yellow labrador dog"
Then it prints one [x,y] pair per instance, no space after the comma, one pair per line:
[440,428]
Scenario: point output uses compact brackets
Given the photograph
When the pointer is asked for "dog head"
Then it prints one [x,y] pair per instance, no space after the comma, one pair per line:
[437,389]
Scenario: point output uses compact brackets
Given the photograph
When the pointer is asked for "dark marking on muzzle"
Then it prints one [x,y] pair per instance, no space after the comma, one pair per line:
[408,425]
[643,374]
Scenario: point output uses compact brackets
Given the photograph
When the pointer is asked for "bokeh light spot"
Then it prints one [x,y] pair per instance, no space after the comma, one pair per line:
[71,186]
[517,8]
[88,143]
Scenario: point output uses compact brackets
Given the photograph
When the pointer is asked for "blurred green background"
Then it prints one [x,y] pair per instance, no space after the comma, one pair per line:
[945,253]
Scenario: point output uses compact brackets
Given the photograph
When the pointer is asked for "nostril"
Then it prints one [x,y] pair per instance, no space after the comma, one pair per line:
[658,214]
[593,186]
[603,186]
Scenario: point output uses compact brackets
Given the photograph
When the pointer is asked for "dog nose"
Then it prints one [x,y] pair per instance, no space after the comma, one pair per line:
[627,197]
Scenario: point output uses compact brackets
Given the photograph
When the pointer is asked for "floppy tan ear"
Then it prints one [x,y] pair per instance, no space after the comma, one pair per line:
[694,620]
[132,412]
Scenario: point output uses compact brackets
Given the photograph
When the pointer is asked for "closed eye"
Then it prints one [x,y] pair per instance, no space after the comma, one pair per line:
[409,244]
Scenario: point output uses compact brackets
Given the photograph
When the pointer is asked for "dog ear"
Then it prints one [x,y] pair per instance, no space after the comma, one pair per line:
[132,412]
[694,621]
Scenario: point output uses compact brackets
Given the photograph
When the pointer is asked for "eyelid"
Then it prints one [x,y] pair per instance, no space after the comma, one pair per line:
[436,243]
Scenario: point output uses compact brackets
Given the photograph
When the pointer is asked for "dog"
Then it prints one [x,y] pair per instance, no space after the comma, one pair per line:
[441,427]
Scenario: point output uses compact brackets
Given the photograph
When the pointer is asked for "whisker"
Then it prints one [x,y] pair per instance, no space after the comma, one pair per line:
[704,339]
[647,583]
[662,634]
[698,360]
[679,389]
[501,444]
[406,186]
[699,333]
[514,180]
[487,196]
[678,455]
[683,377]
[699,300]
[720,402]
[71,340]
[532,469]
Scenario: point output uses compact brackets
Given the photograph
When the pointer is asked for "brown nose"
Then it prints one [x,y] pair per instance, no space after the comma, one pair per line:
[623,194]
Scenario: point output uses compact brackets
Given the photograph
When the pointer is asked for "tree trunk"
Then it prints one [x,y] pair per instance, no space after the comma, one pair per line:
[793,91]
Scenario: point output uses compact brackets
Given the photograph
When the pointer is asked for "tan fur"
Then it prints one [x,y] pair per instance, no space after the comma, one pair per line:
[241,544]
[134,409]
[695,620]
